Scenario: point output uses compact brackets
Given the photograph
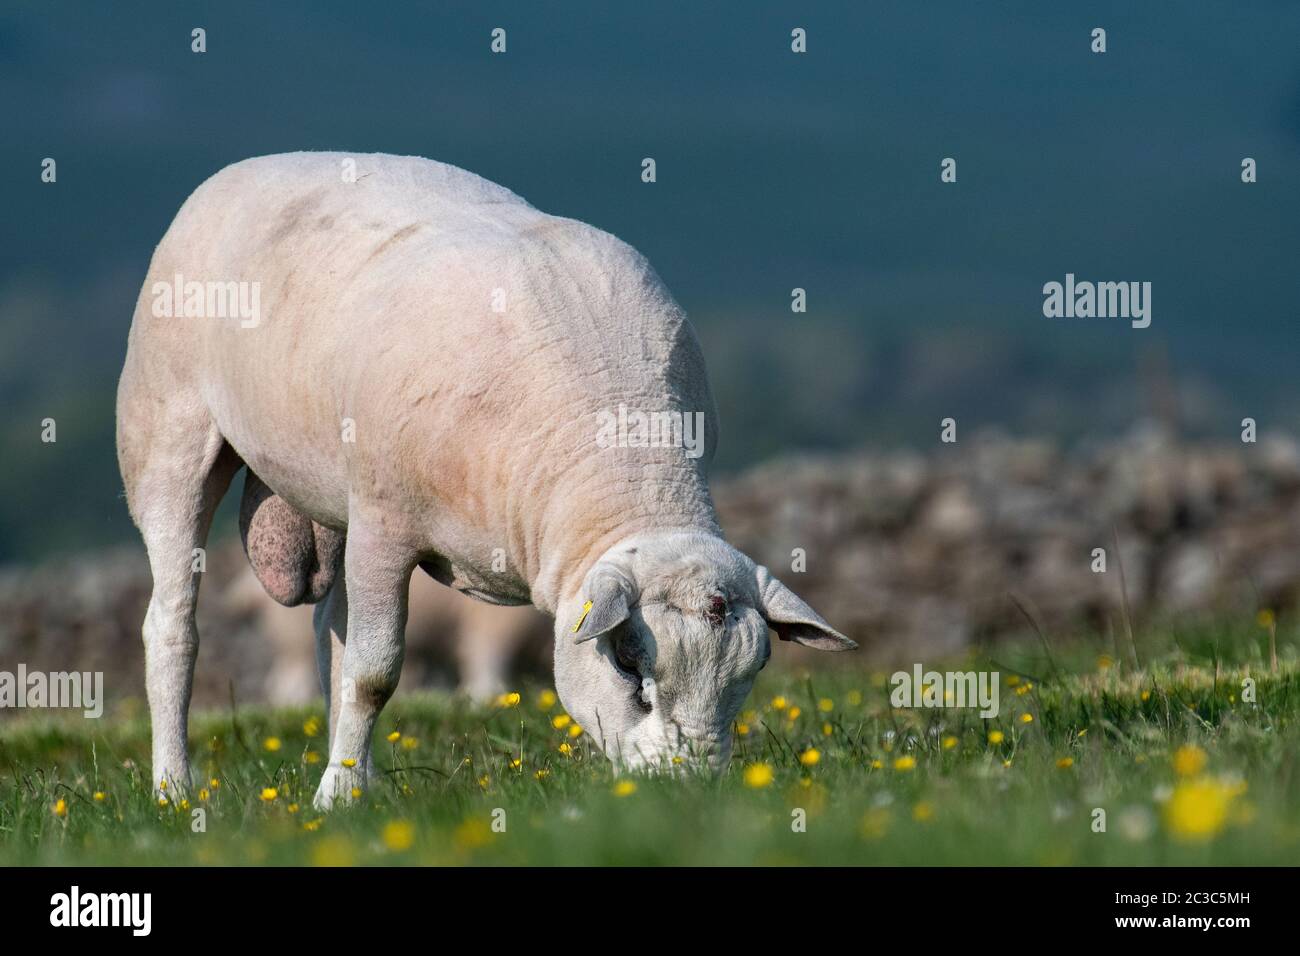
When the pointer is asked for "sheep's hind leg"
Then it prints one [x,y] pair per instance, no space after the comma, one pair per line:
[173,501]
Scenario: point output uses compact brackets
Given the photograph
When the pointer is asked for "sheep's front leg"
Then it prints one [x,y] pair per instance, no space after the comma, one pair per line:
[378,575]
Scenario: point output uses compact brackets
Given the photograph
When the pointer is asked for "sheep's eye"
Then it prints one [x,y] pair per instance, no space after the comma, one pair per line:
[625,658]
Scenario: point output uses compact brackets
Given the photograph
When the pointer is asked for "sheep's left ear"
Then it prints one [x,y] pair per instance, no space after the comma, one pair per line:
[793,620]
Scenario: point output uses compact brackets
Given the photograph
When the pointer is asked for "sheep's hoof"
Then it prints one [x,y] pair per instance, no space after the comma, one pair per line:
[339,786]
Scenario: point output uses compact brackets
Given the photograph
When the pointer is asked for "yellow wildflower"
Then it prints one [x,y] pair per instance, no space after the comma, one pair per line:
[758,775]
[471,834]
[1198,809]
[1189,760]
[398,835]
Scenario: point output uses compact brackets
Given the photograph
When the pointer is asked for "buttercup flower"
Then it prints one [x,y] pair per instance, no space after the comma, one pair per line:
[758,775]
[1189,760]
[398,835]
[1198,809]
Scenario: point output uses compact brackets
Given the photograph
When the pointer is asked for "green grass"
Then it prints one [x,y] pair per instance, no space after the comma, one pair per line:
[1100,737]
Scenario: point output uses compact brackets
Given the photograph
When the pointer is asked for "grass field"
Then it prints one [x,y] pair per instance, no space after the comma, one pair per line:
[1186,770]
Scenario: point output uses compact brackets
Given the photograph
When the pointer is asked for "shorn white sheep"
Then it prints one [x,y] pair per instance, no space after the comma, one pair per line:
[418,368]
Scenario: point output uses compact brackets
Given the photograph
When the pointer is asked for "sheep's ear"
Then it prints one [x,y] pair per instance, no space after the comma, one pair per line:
[607,605]
[793,620]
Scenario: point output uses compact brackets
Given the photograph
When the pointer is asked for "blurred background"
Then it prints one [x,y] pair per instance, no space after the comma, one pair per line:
[775,171]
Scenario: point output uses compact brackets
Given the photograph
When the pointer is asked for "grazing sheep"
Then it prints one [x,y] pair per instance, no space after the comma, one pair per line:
[419,368]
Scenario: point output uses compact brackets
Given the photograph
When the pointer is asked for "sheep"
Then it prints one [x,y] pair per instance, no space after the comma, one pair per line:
[419,373]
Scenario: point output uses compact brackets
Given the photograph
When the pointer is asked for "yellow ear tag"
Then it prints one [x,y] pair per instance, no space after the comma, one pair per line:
[586,609]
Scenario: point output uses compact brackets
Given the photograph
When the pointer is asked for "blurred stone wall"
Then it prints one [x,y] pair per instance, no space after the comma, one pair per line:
[922,551]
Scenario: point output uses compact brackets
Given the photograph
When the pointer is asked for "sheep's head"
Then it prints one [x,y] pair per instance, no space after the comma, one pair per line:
[657,666]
